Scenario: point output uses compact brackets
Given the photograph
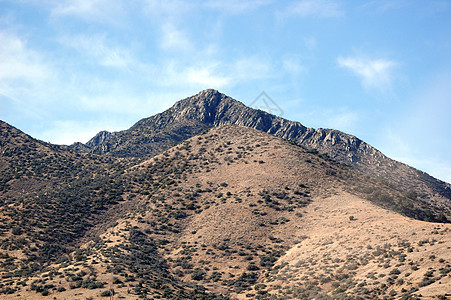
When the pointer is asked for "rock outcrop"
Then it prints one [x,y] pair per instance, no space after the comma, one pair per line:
[209,108]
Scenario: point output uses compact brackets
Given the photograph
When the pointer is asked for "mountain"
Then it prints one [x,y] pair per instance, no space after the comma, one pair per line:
[231,213]
[209,108]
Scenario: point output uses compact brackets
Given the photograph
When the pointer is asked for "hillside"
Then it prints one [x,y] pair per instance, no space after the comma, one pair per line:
[49,198]
[209,108]
[231,213]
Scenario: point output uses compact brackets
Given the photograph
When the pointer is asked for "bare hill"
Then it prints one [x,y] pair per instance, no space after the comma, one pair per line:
[233,213]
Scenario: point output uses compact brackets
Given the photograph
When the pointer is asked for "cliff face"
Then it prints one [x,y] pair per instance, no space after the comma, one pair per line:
[209,108]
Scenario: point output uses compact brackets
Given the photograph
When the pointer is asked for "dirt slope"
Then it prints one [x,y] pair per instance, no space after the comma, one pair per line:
[237,213]
[352,246]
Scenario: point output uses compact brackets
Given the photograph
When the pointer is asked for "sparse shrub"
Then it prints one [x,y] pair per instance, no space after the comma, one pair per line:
[107,293]
[395,272]
[198,274]
[252,267]
[16,231]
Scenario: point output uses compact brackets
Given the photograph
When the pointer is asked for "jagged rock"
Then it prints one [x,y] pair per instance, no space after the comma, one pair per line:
[210,108]
[99,138]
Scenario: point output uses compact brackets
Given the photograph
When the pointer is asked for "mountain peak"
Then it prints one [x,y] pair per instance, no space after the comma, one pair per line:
[208,93]
[202,106]
[210,108]
[208,96]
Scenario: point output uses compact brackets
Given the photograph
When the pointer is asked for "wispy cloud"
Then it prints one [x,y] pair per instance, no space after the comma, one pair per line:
[78,7]
[112,12]
[66,132]
[174,38]
[214,72]
[293,65]
[19,62]
[407,150]
[236,6]
[27,77]
[385,5]
[168,7]
[344,119]
[341,118]
[250,68]
[418,134]
[207,76]
[92,10]
[428,8]
[100,49]
[315,8]
[373,73]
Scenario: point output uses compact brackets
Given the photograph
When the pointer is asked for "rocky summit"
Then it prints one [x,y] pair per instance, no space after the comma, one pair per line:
[210,108]
[214,200]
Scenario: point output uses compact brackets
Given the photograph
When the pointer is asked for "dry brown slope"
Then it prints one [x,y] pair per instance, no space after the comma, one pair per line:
[378,253]
[201,213]
[219,211]
[256,209]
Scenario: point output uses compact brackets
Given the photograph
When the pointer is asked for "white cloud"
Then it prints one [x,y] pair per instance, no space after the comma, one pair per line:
[207,76]
[98,47]
[212,73]
[109,11]
[344,120]
[67,132]
[77,7]
[120,101]
[107,103]
[315,8]
[374,73]
[385,5]
[418,132]
[293,65]
[19,62]
[203,71]
[173,38]
[340,118]
[26,79]
[401,147]
[114,112]
[428,8]
[236,6]
[250,68]
[168,7]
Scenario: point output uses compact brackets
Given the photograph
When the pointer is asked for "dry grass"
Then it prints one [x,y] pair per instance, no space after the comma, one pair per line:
[248,215]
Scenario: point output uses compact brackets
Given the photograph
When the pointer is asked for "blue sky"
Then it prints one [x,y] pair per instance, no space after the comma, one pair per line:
[380,70]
